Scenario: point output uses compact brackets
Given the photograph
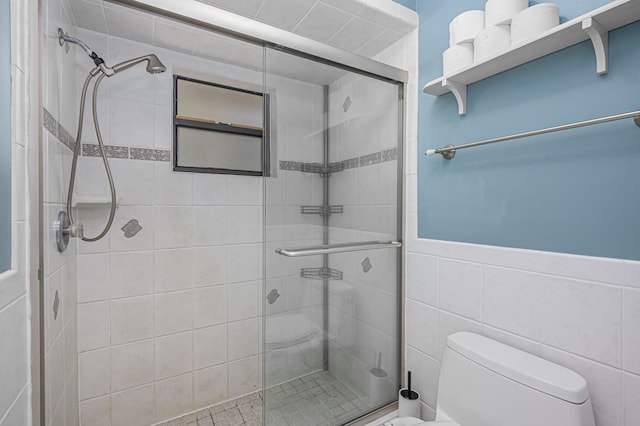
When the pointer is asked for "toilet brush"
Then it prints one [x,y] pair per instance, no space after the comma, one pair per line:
[408,401]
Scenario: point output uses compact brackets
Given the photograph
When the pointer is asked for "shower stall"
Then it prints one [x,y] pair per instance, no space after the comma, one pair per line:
[263,291]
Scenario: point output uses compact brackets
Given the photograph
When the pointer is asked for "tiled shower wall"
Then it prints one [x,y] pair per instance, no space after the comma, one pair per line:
[170,317]
[60,282]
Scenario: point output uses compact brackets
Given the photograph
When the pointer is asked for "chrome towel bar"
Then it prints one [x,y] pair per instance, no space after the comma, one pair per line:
[449,151]
[337,248]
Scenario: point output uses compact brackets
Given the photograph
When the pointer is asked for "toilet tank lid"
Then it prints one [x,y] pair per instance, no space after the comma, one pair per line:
[521,367]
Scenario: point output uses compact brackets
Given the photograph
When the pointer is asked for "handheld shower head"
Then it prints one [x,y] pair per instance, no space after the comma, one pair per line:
[154,66]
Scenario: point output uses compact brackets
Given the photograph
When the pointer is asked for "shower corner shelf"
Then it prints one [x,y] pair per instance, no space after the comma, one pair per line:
[594,25]
[88,201]
[321,274]
[322,210]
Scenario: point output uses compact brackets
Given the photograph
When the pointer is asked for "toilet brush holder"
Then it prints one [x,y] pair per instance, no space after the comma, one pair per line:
[408,401]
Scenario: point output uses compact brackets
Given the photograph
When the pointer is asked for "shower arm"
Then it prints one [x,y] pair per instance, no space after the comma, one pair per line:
[64,38]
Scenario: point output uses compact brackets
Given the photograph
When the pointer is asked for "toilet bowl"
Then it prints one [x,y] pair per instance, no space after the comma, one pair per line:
[487,383]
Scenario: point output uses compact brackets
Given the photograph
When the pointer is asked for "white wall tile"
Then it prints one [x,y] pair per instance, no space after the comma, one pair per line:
[173,312]
[424,373]
[422,278]
[210,346]
[519,342]
[133,181]
[209,266]
[210,189]
[460,288]
[243,263]
[582,318]
[582,267]
[421,322]
[169,187]
[244,376]
[244,191]
[93,277]
[96,411]
[172,269]
[243,338]
[243,298]
[94,321]
[630,331]
[631,401]
[131,274]
[449,324]
[209,306]
[512,300]
[131,122]
[131,319]
[210,226]
[605,384]
[13,335]
[132,365]
[174,396]
[95,373]
[174,355]
[210,385]
[143,240]
[631,273]
[133,407]
[243,224]
[174,227]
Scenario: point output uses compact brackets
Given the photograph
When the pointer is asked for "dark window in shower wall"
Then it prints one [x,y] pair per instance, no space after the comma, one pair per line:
[219,129]
[5,136]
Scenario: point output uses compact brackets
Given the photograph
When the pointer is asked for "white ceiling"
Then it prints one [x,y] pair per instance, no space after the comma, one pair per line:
[365,27]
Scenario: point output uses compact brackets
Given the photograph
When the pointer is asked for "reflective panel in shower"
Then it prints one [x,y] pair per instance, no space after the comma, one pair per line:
[331,340]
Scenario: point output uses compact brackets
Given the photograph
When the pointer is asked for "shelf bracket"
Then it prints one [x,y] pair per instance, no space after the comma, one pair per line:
[459,90]
[600,39]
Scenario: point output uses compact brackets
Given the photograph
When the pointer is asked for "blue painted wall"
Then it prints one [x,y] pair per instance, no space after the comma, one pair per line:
[5,136]
[411,4]
[576,191]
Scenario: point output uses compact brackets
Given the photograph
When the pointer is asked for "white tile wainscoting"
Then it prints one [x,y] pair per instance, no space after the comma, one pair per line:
[578,311]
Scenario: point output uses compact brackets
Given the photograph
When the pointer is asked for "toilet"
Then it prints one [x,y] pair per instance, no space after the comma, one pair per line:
[487,383]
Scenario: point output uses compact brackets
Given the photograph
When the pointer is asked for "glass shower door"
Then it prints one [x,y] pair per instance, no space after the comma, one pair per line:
[332,217]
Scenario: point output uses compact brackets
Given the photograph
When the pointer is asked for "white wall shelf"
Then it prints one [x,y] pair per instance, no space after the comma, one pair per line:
[594,25]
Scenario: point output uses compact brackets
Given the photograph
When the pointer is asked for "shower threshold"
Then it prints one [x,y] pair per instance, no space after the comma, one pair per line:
[318,399]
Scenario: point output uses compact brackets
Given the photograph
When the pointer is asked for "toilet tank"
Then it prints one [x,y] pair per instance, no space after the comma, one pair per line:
[487,383]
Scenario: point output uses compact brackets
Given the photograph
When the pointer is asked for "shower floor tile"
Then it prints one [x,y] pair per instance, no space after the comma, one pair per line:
[318,399]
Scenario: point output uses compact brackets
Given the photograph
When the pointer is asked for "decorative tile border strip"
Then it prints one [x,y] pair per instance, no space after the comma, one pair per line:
[93,150]
[374,158]
[149,154]
[351,163]
[56,129]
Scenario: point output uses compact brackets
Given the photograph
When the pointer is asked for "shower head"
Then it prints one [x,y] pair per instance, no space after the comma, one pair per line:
[154,66]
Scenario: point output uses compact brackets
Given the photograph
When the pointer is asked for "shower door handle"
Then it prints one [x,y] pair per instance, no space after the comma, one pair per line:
[337,248]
